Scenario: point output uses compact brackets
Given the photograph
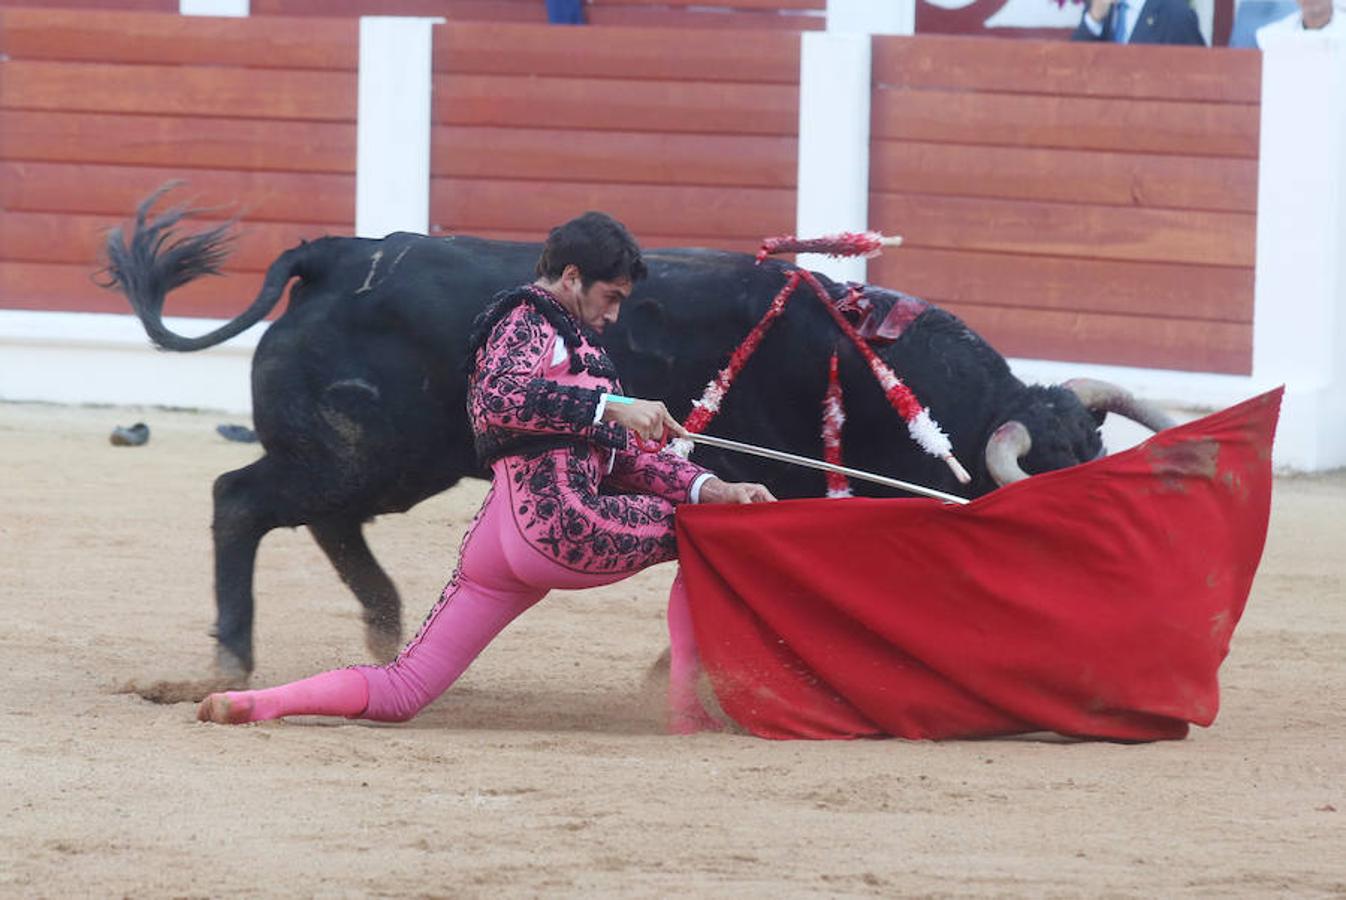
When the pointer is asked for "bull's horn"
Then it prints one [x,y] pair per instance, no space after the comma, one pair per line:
[1103,396]
[1007,445]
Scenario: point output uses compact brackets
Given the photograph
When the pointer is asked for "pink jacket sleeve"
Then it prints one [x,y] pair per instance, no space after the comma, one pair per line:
[509,394]
[661,474]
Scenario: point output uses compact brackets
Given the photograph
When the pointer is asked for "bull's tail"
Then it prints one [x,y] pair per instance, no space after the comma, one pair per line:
[156,261]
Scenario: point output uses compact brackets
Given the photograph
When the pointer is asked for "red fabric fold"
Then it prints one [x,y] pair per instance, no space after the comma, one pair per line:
[1096,601]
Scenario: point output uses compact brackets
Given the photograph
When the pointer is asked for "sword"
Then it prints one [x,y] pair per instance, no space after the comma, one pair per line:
[782,456]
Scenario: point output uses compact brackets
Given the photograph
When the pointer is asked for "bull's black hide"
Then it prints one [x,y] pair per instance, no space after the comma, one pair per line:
[359,387]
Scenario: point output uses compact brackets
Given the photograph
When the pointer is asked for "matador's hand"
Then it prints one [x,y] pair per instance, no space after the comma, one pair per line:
[650,419]
[713,490]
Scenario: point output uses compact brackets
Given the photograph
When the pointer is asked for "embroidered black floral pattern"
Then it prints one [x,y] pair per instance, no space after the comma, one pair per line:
[561,515]
[511,408]
[540,424]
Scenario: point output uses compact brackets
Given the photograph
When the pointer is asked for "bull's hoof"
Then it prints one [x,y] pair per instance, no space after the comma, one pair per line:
[231,668]
[383,643]
[178,691]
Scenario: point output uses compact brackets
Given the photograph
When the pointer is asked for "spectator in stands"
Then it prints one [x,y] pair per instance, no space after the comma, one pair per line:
[1139,22]
[1322,16]
[565,12]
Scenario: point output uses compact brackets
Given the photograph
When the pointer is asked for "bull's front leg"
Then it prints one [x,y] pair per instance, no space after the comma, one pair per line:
[687,715]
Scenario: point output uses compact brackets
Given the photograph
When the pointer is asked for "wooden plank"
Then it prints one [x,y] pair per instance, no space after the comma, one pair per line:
[155,38]
[473,205]
[1138,71]
[1080,176]
[654,240]
[116,190]
[499,10]
[78,239]
[647,53]
[1021,120]
[70,288]
[1060,229]
[161,6]
[1144,289]
[767,6]
[647,241]
[1188,346]
[673,17]
[179,90]
[928,24]
[481,10]
[608,105]
[532,153]
[49,286]
[182,141]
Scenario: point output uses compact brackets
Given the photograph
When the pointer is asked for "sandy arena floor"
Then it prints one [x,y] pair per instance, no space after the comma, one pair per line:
[544,771]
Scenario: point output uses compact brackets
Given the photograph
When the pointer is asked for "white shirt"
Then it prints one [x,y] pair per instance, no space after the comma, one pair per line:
[1294,24]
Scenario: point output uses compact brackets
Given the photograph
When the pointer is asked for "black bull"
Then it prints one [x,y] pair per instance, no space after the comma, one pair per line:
[359,389]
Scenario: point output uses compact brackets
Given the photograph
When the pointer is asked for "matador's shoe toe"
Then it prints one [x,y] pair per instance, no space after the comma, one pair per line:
[225,709]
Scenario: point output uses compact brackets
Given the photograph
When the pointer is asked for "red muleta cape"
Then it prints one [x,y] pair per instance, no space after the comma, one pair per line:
[1096,601]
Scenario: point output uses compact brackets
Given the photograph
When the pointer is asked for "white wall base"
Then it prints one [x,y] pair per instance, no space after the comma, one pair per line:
[97,358]
[1311,436]
[1312,433]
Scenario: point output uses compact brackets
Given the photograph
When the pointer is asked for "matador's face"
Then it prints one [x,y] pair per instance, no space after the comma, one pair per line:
[596,306]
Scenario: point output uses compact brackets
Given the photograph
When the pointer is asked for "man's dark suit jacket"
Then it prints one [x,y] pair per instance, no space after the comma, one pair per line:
[1160,22]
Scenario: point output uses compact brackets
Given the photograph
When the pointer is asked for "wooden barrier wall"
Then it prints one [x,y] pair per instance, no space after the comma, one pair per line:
[788,15]
[699,149]
[1087,203]
[1073,202]
[98,109]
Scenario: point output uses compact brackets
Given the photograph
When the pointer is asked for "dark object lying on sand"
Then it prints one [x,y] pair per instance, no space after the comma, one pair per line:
[133,436]
[239,433]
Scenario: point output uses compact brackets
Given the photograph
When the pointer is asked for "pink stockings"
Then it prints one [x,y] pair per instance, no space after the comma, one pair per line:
[499,576]
[687,715]
[340,692]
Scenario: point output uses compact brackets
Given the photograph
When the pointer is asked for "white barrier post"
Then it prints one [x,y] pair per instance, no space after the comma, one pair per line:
[234,8]
[392,169]
[872,16]
[834,92]
[1299,307]
[833,193]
